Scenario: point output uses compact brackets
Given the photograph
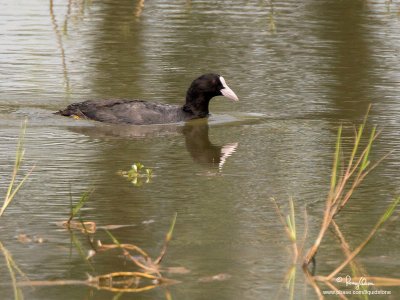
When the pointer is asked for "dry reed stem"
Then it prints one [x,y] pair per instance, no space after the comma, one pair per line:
[131,247]
[168,237]
[356,267]
[334,288]
[305,234]
[312,281]
[359,181]
[354,253]
[336,201]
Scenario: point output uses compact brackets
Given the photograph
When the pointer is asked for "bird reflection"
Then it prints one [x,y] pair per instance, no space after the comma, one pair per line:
[196,135]
[200,147]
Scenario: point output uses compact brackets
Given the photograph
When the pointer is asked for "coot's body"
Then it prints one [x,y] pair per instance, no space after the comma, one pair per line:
[138,112]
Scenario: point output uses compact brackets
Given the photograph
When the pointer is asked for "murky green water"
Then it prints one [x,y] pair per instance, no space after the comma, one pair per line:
[299,68]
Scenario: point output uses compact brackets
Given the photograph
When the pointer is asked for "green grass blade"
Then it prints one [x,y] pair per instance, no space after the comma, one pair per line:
[359,134]
[20,148]
[336,161]
[80,204]
[293,220]
[291,282]
[365,161]
[115,241]
[18,159]
[389,211]
[367,114]
[8,200]
[171,229]
[12,190]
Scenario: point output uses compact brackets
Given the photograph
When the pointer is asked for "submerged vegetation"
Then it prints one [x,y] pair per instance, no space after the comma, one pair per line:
[346,177]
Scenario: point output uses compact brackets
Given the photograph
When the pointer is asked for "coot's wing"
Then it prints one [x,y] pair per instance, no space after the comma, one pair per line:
[135,112]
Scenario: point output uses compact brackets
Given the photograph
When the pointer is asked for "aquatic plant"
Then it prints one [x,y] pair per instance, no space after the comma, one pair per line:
[14,270]
[87,227]
[143,261]
[136,173]
[289,224]
[147,276]
[14,187]
[346,177]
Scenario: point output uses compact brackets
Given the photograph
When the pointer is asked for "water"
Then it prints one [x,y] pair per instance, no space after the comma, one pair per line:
[299,69]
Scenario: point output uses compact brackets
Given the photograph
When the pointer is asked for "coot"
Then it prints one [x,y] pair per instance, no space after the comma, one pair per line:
[138,112]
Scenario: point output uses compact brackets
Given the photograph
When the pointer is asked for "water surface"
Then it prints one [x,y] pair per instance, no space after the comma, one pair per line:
[299,69]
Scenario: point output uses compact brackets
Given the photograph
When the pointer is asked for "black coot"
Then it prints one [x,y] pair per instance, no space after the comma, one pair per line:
[138,112]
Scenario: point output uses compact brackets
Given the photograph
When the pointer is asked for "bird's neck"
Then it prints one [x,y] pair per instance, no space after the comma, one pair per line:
[197,104]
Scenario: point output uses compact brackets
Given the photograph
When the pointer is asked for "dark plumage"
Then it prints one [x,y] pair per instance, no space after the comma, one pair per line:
[138,112]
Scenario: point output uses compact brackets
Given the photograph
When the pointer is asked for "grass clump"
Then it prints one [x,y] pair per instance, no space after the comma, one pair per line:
[346,177]
[14,187]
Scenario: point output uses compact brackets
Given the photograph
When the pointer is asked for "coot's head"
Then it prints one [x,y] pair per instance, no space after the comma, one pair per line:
[202,90]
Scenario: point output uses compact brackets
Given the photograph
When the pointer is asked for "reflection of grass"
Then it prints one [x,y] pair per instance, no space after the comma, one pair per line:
[13,187]
[345,179]
[272,21]
[60,43]
[139,9]
[289,223]
[147,276]
[13,269]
